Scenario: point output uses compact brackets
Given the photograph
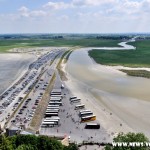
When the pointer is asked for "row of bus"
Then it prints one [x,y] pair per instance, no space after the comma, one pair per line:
[85,115]
[52,111]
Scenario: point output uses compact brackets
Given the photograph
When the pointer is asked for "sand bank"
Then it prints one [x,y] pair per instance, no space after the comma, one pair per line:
[12,66]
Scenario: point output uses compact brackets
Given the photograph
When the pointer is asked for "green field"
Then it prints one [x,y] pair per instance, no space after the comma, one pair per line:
[137,73]
[13,43]
[130,58]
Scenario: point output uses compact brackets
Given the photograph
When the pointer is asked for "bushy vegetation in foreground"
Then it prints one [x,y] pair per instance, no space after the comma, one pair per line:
[130,58]
[130,138]
[32,142]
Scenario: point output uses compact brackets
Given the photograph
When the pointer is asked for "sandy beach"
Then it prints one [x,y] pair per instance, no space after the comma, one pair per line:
[12,67]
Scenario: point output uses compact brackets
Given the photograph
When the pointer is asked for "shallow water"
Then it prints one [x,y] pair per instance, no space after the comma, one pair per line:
[127,97]
[11,67]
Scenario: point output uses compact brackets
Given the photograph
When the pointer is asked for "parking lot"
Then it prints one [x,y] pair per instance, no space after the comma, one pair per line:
[70,123]
[18,103]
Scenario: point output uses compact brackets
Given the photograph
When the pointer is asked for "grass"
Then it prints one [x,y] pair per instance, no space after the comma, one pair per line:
[41,108]
[5,45]
[137,73]
[130,58]
[59,68]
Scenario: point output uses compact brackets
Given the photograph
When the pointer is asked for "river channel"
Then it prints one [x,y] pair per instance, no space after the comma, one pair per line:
[128,97]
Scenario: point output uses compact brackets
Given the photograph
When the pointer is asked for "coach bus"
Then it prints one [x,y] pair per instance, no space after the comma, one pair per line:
[48,124]
[75,100]
[55,100]
[50,114]
[92,126]
[83,114]
[55,121]
[79,107]
[55,103]
[73,97]
[85,110]
[49,105]
[51,111]
[88,118]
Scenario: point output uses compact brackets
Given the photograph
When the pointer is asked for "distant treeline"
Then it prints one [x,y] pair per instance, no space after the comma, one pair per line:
[30,37]
[76,36]
[114,37]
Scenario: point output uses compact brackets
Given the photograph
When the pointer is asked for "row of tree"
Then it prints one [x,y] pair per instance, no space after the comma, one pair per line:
[32,142]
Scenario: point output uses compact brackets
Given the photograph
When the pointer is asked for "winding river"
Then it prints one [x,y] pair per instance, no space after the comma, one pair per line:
[128,97]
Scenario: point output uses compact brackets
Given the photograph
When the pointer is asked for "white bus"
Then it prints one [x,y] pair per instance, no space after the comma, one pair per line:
[85,110]
[55,100]
[75,100]
[52,108]
[55,121]
[73,97]
[53,96]
[55,103]
[83,114]
[46,124]
[56,97]
[54,117]
[48,114]
[51,111]
[79,106]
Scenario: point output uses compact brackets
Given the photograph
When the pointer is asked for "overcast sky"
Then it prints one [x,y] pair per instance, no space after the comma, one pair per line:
[74,16]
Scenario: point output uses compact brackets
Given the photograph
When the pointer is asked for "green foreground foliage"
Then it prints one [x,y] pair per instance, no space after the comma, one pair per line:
[32,142]
[129,138]
[130,58]
[93,42]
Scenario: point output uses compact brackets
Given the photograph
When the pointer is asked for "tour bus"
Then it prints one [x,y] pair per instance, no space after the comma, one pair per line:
[51,111]
[48,124]
[79,106]
[75,100]
[55,117]
[83,114]
[55,121]
[56,103]
[73,97]
[58,92]
[51,114]
[56,97]
[51,118]
[53,96]
[55,100]
[92,126]
[53,108]
[49,105]
[86,110]
[88,118]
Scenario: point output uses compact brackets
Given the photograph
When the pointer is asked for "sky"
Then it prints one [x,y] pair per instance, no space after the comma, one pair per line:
[74,16]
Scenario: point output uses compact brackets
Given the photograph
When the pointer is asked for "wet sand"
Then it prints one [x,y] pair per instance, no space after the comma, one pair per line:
[12,66]
[106,90]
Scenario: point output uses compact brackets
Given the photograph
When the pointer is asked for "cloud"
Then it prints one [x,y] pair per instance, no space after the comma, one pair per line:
[92,2]
[56,5]
[25,12]
[23,9]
